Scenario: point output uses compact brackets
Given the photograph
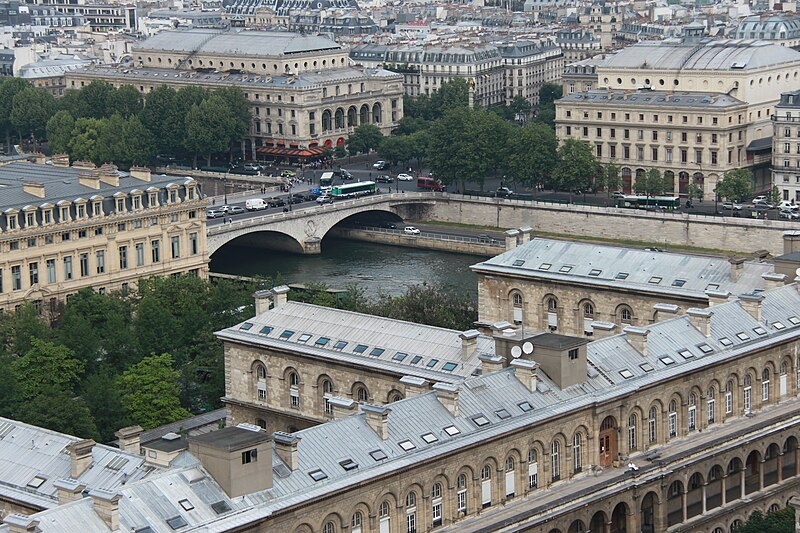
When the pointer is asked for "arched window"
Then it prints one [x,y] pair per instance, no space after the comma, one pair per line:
[765,385]
[651,424]
[555,460]
[577,463]
[384,510]
[261,372]
[711,404]
[361,394]
[355,522]
[294,379]
[327,390]
[329,527]
[395,396]
[461,494]
[673,419]
[517,299]
[632,440]
[747,393]
[552,304]
[691,412]
[486,486]
[261,382]
[625,315]
[436,504]
[588,310]
[294,390]
[729,397]
[411,499]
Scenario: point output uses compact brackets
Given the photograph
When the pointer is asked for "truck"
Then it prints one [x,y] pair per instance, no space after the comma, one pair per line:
[430,184]
[255,204]
[326,181]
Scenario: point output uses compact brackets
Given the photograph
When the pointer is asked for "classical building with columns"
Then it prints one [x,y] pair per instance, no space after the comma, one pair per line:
[303,92]
[688,424]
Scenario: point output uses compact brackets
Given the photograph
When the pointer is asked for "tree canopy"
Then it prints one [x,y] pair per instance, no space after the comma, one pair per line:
[736,185]
[576,166]
[149,392]
[774,522]
[364,138]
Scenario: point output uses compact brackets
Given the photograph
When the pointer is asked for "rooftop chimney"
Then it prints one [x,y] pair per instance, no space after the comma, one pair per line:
[525,371]
[637,337]
[701,319]
[84,164]
[774,280]
[761,255]
[286,448]
[68,490]
[60,160]
[377,418]
[717,297]
[106,505]
[80,453]
[414,385]
[89,180]
[108,175]
[525,234]
[447,394]
[342,407]
[140,173]
[791,242]
[129,439]
[33,188]
[263,300]
[491,363]
[664,309]
[511,239]
[752,304]
[18,523]
[601,330]
[280,295]
[737,266]
[469,343]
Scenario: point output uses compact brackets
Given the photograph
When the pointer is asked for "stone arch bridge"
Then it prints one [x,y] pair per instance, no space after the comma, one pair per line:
[303,229]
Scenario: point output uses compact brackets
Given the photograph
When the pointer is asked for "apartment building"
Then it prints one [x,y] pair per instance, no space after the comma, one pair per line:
[302,91]
[780,28]
[786,147]
[65,228]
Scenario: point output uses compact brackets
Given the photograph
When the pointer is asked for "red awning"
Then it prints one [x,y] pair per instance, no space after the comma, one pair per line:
[314,151]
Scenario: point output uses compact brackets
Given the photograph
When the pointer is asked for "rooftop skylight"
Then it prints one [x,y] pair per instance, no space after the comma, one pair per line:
[266,330]
[725,341]
[348,464]
[525,406]
[565,269]
[621,275]
[340,345]
[304,337]
[177,522]
[246,326]
[318,475]
[705,348]
[449,367]
[647,367]
[432,363]
[595,272]
[760,331]
[186,504]
[502,414]
[686,354]
[361,348]
[416,359]
[221,507]
[545,266]
[778,325]
[667,360]
[322,341]
[430,438]
[378,455]
[794,320]
[742,336]
[452,431]
[287,333]
[518,263]
[480,420]
[399,356]
[377,352]
[37,482]
[655,280]
[679,283]
[406,445]
[625,373]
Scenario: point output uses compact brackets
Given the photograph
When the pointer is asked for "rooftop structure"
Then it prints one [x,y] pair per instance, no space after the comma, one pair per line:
[781,28]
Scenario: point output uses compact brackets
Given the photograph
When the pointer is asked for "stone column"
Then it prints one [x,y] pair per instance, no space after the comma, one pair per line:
[684,494]
[741,480]
[703,495]
[761,474]
[724,487]
[780,467]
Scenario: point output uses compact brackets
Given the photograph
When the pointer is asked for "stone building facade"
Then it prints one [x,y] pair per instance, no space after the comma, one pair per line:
[786,147]
[67,228]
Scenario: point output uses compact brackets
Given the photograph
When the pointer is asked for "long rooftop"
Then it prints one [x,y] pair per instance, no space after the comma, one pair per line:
[250,43]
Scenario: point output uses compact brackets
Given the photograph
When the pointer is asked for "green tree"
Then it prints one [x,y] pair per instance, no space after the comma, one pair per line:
[101,395]
[611,178]
[576,166]
[59,131]
[126,101]
[340,151]
[453,94]
[419,142]
[157,118]
[774,522]
[30,110]
[409,125]
[149,392]
[694,192]
[47,364]
[96,100]
[549,93]
[208,127]
[85,136]
[650,184]
[396,148]
[238,113]
[364,138]
[532,154]
[58,410]
[774,195]
[736,185]
[24,327]
[8,90]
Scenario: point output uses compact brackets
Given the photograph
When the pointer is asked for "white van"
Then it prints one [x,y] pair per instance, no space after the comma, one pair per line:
[256,204]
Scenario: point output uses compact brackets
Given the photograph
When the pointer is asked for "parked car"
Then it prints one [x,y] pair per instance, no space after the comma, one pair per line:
[485,238]
[617,194]
[255,204]
[325,199]
[384,178]
[411,230]
[252,166]
[790,214]
[731,206]
[235,210]
[288,174]
[762,207]
[224,208]
[296,199]
[404,177]
[342,174]
[380,165]
[387,225]
[504,192]
[214,213]
[760,199]
[276,202]
[308,196]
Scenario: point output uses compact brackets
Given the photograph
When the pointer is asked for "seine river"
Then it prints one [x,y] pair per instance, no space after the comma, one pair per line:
[373,267]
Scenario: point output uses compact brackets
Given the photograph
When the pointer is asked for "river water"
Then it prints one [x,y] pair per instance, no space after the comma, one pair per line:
[373,267]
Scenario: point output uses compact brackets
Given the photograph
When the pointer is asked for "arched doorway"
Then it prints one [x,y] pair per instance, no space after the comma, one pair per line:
[752,476]
[598,522]
[789,466]
[699,180]
[619,518]
[649,511]
[771,465]
[577,527]
[669,181]
[733,483]
[626,180]
[694,495]
[714,487]
[683,183]
[608,441]
[675,511]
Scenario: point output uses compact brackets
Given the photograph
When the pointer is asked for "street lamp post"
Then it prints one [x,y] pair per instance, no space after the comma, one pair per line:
[225,189]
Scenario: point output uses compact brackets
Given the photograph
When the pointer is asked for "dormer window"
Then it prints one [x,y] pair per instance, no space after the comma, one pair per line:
[173,196]
[190,193]
[47,216]
[65,214]
[152,199]
[81,211]
[30,219]
[97,209]
[11,221]
[137,202]
[120,205]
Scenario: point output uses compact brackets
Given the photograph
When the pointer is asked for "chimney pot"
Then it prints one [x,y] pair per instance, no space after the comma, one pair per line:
[469,343]
[525,371]
[263,299]
[737,266]
[491,363]
[34,188]
[717,297]
[414,385]
[601,330]
[129,439]
[68,490]
[664,309]
[773,280]
[280,295]
[286,448]
[342,407]
[701,319]
[18,523]
[140,173]
[791,242]
[106,505]
[377,418]
[637,337]
[80,453]
[447,394]
[752,304]
[511,239]
[525,234]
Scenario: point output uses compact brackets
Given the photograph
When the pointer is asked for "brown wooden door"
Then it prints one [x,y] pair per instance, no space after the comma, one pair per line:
[608,442]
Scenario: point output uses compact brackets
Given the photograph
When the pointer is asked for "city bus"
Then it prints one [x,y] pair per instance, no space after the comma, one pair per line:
[643,202]
[352,190]
[326,181]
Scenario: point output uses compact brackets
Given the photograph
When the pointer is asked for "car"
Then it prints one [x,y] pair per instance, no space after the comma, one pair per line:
[236,210]
[325,199]
[384,178]
[296,199]
[224,208]
[214,213]
[252,166]
[404,177]
[288,174]
[789,214]
[504,192]
[760,199]
[762,207]
[731,206]
[387,225]
[308,196]
[380,165]
[411,230]
[485,238]
[617,194]
[276,202]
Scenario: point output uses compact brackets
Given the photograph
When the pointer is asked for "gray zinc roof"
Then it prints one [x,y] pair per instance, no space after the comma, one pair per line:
[679,275]
[645,97]
[237,43]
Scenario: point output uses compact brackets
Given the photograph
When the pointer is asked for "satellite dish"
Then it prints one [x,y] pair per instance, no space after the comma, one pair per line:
[527,347]
[516,351]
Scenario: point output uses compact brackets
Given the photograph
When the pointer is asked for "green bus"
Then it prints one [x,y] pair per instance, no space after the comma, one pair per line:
[643,202]
[352,190]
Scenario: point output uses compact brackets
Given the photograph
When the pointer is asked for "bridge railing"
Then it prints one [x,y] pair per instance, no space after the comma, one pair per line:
[433,235]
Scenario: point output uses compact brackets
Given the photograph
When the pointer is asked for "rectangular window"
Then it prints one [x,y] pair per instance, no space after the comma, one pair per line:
[100,256]
[710,405]
[1,280]
[140,254]
[654,153]
[626,152]
[698,156]
[176,247]
[684,156]
[673,424]
[461,501]
[68,268]
[16,278]
[33,269]
[123,257]
[668,155]
[84,260]
[51,271]
[728,402]
[193,247]
[156,249]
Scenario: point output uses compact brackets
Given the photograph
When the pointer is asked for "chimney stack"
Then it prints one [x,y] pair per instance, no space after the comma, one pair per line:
[773,280]
[342,407]
[68,490]
[637,337]
[491,363]
[280,295]
[140,173]
[717,297]
[18,523]
[89,180]
[60,160]
[701,319]
[377,418]
[752,304]
[447,394]
[664,309]
[108,175]
[469,344]
[737,266]
[106,505]
[80,453]
[263,300]
[286,448]
[601,330]
[511,239]
[129,439]
[525,372]
[525,234]
[414,385]
[791,242]
[33,188]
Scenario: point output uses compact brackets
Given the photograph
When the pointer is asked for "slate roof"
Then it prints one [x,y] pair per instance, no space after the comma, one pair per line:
[768,27]
[650,272]
[251,43]
[644,97]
